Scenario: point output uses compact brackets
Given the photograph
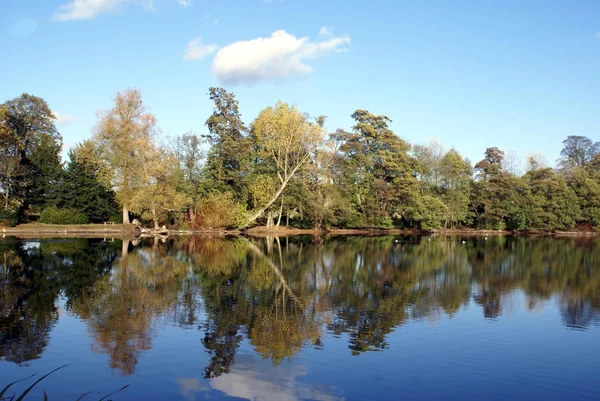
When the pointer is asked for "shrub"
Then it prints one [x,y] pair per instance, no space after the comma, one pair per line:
[8,218]
[219,210]
[52,215]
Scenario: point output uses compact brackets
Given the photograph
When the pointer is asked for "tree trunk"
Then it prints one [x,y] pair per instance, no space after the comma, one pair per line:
[269,219]
[280,212]
[156,226]
[155,247]
[124,248]
[273,198]
[125,215]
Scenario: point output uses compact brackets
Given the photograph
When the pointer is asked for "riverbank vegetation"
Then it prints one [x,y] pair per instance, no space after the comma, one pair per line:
[285,168]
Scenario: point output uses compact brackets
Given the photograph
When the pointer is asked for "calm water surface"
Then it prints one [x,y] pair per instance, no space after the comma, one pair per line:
[345,318]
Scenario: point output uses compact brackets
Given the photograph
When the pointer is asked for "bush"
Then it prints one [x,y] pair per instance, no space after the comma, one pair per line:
[52,215]
[219,210]
[8,219]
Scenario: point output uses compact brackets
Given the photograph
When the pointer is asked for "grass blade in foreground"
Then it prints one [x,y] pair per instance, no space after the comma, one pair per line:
[39,380]
[83,395]
[108,395]
[10,384]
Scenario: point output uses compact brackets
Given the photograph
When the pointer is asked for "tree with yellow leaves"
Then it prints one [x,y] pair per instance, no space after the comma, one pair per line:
[123,136]
[285,138]
[158,195]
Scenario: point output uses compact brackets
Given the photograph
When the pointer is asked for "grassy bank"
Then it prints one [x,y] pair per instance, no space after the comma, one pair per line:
[127,230]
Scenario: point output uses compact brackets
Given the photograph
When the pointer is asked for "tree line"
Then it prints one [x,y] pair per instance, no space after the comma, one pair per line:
[283,169]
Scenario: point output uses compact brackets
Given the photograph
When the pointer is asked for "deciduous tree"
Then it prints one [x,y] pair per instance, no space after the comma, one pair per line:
[285,138]
[30,152]
[122,135]
[578,151]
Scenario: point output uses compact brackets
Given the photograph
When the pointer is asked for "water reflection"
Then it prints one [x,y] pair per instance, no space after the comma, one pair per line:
[125,308]
[280,295]
[255,379]
[32,275]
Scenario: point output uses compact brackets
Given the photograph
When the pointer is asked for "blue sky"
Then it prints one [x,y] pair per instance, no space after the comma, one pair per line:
[520,75]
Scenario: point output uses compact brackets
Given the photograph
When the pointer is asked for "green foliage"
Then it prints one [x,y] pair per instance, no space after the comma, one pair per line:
[8,218]
[586,186]
[52,215]
[280,171]
[376,170]
[553,204]
[46,169]
[431,212]
[83,191]
[187,150]
[230,151]
[29,153]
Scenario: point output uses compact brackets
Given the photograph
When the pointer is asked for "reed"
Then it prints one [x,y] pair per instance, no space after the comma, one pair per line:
[22,396]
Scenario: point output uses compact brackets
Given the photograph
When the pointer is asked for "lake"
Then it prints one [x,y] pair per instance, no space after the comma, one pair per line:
[303,318]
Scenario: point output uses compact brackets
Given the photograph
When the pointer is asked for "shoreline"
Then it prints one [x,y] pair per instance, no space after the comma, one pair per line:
[262,232]
[131,231]
[85,230]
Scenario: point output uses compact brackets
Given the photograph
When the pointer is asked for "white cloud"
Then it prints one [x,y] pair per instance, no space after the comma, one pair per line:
[597,35]
[254,378]
[274,58]
[325,32]
[62,119]
[88,9]
[196,50]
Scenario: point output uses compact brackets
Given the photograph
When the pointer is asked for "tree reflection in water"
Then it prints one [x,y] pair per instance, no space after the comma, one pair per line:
[280,294]
[32,275]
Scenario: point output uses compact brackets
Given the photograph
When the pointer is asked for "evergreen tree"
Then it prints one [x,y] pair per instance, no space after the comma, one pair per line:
[377,171]
[46,171]
[228,160]
[82,190]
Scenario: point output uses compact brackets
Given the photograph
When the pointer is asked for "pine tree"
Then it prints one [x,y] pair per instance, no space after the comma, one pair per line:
[82,190]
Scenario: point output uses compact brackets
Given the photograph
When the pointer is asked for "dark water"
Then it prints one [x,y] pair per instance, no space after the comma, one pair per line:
[304,319]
